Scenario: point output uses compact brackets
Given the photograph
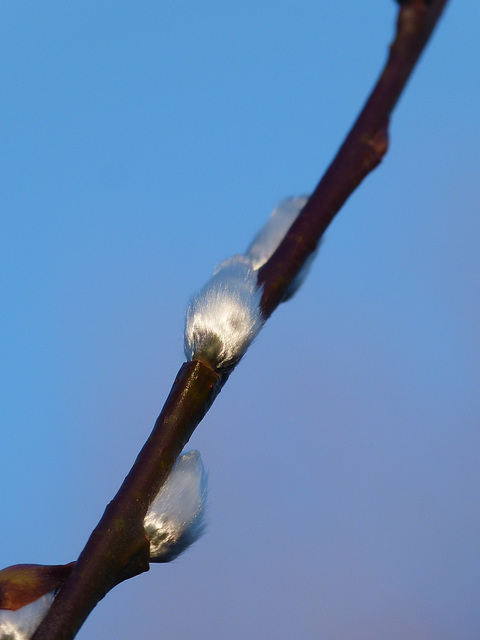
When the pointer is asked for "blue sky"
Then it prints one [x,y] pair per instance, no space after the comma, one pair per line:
[142,144]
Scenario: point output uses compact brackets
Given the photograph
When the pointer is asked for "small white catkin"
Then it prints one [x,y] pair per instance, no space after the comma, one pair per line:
[175,519]
[224,317]
[22,623]
[265,243]
[270,236]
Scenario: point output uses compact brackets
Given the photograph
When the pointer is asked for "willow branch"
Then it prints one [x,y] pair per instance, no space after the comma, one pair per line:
[362,150]
[118,547]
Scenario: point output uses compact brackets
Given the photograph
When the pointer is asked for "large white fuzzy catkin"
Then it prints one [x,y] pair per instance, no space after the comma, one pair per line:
[22,623]
[270,236]
[175,519]
[224,317]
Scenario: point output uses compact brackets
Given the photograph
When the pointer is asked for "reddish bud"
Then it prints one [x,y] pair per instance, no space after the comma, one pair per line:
[22,584]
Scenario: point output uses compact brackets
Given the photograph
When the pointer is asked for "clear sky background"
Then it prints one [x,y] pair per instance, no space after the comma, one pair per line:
[141,144]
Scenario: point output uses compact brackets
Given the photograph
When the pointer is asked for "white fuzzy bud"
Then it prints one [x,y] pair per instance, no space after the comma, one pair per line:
[268,239]
[175,519]
[224,317]
[275,229]
[22,623]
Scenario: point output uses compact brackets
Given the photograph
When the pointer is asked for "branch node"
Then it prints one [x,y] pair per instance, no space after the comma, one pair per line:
[379,142]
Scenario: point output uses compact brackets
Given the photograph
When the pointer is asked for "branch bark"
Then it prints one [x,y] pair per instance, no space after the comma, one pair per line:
[118,547]
[362,150]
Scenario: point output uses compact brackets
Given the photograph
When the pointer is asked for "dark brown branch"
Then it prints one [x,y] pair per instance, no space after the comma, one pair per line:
[118,548]
[362,150]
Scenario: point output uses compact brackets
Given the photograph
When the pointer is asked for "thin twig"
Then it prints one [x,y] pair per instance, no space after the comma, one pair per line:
[362,150]
[118,547]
